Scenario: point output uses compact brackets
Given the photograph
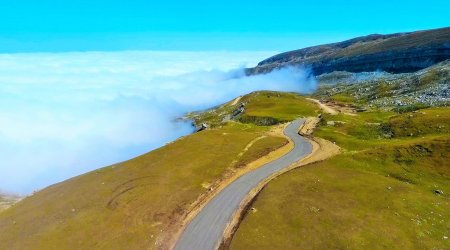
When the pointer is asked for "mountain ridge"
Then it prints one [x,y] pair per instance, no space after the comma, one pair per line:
[394,53]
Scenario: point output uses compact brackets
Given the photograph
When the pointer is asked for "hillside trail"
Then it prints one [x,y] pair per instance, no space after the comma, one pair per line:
[235,101]
[335,108]
[324,107]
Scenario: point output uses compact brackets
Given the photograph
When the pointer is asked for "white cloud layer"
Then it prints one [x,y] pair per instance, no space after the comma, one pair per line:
[67,113]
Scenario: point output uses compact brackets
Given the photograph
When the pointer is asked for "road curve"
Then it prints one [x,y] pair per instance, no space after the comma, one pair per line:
[205,231]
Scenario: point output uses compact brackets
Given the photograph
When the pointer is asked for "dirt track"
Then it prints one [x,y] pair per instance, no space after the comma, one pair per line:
[324,107]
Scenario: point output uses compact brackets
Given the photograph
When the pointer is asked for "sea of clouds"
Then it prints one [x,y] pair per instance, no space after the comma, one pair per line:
[63,114]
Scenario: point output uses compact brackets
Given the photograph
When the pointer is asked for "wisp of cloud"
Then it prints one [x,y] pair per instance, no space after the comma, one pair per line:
[64,114]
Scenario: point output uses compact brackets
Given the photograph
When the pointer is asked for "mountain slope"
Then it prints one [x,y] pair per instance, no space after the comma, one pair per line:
[396,53]
[380,193]
[139,204]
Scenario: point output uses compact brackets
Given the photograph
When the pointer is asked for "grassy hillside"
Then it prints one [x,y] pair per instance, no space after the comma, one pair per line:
[261,108]
[134,204]
[282,107]
[389,189]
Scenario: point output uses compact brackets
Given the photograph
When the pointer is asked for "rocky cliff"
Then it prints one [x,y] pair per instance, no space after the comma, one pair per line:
[395,53]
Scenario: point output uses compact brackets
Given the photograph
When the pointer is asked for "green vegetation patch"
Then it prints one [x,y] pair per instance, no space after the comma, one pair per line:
[430,77]
[278,105]
[260,120]
[382,89]
[386,190]
[356,132]
[343,98]
[380,198]
[262,108]
[410,108]
[426,121]
[264,146]
[374,128]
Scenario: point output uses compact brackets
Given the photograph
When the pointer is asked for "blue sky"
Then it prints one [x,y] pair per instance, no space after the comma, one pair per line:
[111,25]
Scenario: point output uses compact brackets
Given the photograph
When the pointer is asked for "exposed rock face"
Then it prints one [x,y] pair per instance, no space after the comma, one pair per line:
[396,53]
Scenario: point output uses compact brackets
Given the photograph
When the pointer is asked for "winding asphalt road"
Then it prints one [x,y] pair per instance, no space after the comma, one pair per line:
[205,231]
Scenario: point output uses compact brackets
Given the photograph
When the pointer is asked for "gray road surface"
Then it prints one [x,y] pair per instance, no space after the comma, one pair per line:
[205,231]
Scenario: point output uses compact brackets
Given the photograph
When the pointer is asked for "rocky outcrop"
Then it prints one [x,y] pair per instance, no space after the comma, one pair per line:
[429,87]
[396,53]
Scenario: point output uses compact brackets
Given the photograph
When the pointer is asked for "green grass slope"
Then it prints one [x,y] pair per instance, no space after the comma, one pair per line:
[380,193]
[261,108]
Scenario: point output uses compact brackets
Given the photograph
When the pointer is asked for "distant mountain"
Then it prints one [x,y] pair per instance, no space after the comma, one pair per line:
[395,53]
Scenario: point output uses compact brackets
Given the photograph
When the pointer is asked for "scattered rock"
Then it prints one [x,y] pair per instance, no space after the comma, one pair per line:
[439,192]
[202,127]
[314,209]
[206,185]
[335,123]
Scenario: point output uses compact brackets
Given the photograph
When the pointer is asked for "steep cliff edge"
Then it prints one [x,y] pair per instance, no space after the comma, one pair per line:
[395,53]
